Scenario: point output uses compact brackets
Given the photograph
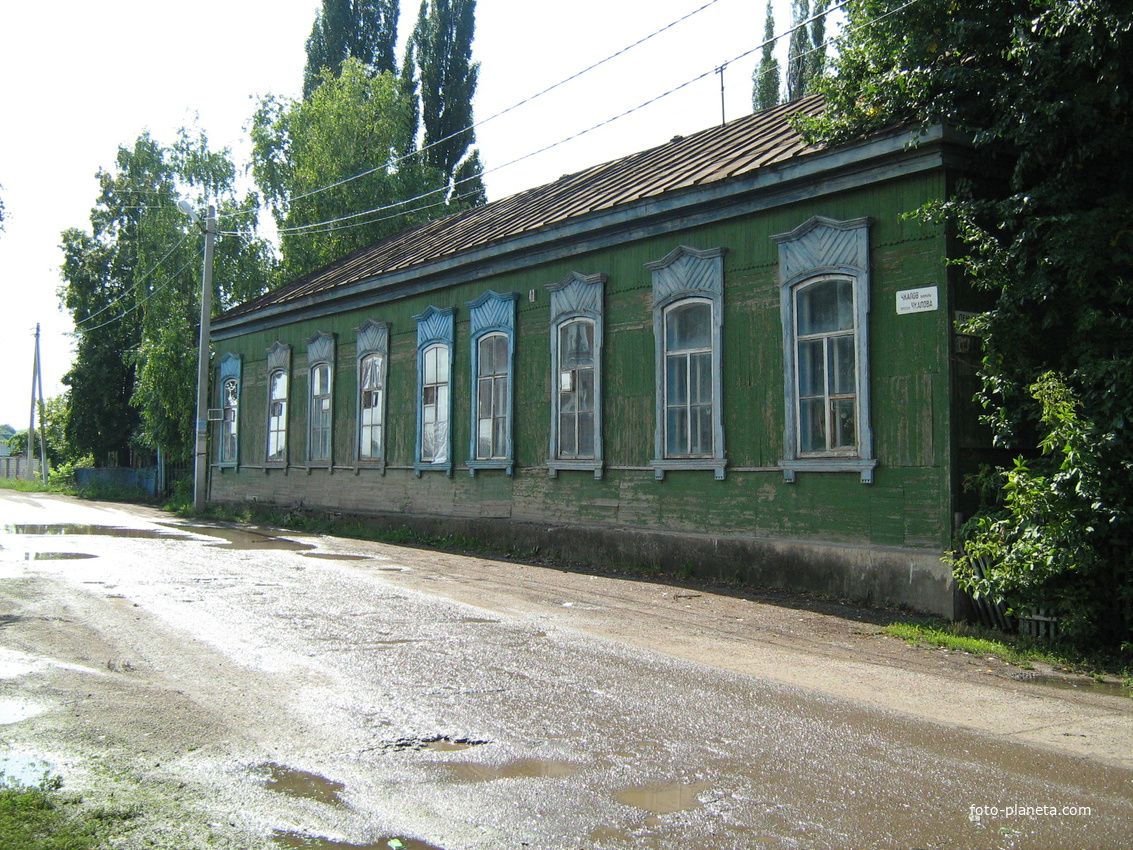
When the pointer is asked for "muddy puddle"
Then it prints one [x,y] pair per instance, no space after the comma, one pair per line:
[57,556]
[517,769]
[242,539]
[13,711]
[334,556]
[92,530]
[300,783]
[663,798]
[298,840]
[1090,686]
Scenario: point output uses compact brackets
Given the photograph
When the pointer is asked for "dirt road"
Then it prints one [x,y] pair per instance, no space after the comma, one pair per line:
[249,689]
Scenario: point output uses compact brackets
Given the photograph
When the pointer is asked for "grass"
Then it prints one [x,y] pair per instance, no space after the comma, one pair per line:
[41,817]
[1017,650]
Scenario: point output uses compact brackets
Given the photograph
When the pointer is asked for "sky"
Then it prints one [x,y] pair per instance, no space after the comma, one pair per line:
[81,78]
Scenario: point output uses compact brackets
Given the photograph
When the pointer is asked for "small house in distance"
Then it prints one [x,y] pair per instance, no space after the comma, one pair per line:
[732,354]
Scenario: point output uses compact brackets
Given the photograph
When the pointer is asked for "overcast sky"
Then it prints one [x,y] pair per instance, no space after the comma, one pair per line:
[81,78]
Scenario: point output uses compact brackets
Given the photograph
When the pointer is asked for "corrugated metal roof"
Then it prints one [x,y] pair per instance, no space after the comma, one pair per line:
[733,150]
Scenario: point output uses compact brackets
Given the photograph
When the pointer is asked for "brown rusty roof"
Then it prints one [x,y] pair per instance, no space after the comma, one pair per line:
[734,150]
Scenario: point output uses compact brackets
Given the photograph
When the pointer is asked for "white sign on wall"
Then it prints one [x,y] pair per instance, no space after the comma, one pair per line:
[923,300]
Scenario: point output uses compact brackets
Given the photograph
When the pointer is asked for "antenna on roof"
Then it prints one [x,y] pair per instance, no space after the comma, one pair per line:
[720,71]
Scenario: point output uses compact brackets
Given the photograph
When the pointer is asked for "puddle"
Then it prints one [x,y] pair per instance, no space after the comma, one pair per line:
[390,842]
[518,769]
[26,770]
[1091,686]
[664,798]
[57,556]
[332,556]
[300,783]
[93,530]
[478,620]
[239,538]
[438,743]
[390,569]
[13,711]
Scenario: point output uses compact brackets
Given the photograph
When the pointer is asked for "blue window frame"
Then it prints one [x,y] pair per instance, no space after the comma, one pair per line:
[320,409]
[435,341]
[373,357]
[278,397]
[228,428]
[492,320]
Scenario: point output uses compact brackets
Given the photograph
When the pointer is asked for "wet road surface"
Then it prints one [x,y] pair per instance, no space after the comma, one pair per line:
[291,691]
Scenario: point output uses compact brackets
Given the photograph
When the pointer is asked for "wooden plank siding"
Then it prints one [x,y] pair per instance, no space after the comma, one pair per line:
[915,398]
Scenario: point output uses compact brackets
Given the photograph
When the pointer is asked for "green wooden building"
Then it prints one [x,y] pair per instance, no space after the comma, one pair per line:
[733,354]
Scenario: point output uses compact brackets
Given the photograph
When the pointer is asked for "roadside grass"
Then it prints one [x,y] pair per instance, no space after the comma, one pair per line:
[41,817]
[1017,650]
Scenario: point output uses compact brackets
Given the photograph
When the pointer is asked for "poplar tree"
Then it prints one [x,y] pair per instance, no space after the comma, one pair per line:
[806,56]
[442,41]
[365,30]
[767,79]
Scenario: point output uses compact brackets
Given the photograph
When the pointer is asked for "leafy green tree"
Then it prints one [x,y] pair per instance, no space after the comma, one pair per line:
[1044,87]
[766,80]
[806,56]
[442,41]
[365,30]
[132,285]
[323,161]
[51,420]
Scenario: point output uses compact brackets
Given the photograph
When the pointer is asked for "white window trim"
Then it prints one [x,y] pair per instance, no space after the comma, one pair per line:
[689,273]
[825,249]
[575,297]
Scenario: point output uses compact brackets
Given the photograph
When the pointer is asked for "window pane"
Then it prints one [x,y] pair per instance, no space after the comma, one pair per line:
[676,431]
[842,365]
[812,375]
[688,326]
[484,399]
[676,380]
[584,381]
[825,307]
[586,435]
[812,425]
[701,432]
[279,385]
[484,440]
[576,344]
[701,378]
[568,435]
[843,421]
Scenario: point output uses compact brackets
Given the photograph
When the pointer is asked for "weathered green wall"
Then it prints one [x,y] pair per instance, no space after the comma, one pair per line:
[908,506]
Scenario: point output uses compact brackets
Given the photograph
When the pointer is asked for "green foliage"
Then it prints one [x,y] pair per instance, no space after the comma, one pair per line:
[365,30]
[767,79]
[41,818]
[806,51]
[132,285]
[442,41]
[306,152]
[1044,87]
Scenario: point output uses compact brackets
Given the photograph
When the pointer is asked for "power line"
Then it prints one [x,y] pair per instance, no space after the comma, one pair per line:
[135,285]
[142,301]
[499,114]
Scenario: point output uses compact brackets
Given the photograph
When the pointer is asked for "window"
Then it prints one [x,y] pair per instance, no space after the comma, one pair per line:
[228,380]
[371,389]
[435,405]
[277,417]
[279,367]
[230,402]
[320,418]
[688,380]
[435,336]
[492,391]
[576,389]
[576,373]
[492,321]
[827,386]
[320,414]
[373,349]
[824,305]
[688,303]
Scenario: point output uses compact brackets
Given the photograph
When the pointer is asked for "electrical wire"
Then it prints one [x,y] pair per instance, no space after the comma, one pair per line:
[502,112]
[319,227]
[142,301]
[135,285]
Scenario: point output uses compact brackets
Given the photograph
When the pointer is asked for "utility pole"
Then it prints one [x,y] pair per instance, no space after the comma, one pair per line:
[31,412]
[42,413]
[200,465]
[720,71]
